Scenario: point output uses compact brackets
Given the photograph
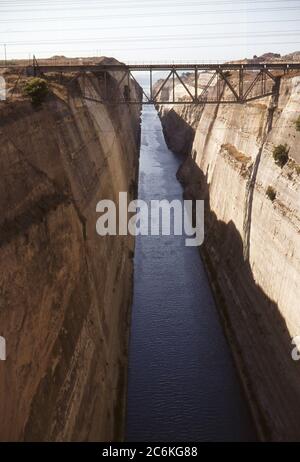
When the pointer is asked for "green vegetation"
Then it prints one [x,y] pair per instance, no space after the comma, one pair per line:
[281,154]
[271,193]
[297,123]
[37,89]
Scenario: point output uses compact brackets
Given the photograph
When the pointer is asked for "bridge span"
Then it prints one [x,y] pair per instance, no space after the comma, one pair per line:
[229,83]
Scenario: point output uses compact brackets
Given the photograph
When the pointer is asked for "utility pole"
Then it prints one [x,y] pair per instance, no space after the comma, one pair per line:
[5,56]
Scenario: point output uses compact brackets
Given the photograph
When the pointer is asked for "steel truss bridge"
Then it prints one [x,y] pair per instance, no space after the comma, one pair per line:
[202,83]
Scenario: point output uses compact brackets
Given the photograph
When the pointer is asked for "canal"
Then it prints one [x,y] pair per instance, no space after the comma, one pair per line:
[182,384]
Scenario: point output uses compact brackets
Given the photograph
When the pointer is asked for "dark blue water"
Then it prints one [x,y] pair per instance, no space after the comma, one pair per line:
[182,385]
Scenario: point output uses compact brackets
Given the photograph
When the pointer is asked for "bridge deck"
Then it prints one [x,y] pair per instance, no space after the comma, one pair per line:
[165,67]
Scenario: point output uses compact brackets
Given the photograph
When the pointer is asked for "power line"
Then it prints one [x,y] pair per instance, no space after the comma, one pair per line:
[152,26]
[117,3]
[165,47]
[142,15]
[157,38]
[143,5]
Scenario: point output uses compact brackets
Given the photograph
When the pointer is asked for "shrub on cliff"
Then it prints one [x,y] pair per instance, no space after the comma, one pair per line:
[281,154]
[271,193]
[37,89]
[297,123]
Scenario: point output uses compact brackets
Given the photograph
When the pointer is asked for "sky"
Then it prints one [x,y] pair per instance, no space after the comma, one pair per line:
[149,30]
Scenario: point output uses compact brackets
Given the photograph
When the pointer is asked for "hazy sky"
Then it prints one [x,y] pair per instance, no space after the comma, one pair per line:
[149,30]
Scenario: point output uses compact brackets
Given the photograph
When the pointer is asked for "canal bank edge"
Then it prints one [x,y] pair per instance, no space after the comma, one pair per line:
[256,413]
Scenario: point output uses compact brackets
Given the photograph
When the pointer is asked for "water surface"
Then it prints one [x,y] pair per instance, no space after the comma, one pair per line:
[182,385]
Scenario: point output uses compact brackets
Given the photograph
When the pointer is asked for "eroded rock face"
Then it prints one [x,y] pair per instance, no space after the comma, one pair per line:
[252,244]
[65,292]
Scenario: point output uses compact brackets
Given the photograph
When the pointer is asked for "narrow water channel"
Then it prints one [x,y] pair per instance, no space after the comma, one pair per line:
[182,385]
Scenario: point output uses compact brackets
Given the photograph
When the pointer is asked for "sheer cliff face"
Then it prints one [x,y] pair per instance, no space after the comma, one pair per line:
[252,244]
[65,292]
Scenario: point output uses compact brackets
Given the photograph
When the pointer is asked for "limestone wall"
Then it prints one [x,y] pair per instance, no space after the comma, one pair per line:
[65,292]
[252,244]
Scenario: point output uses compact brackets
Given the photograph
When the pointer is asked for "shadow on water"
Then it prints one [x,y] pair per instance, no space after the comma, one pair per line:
[252,319]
